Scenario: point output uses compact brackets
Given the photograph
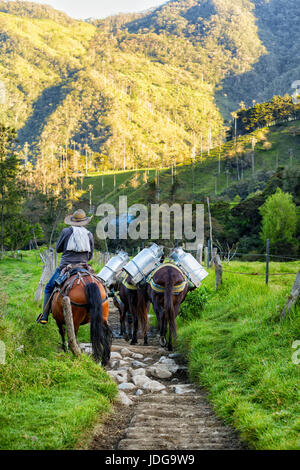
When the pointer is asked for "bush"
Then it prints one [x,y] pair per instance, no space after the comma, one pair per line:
[194,303]
[279,222]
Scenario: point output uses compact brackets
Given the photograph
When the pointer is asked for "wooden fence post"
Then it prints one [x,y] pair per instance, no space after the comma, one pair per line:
[267,261]
[218,272]
[70,327]
[213,256]
[206,255]
[293,298]
[209,253]
[199,255]
[48,270]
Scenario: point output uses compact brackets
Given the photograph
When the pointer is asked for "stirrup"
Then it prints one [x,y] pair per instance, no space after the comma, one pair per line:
[39,319]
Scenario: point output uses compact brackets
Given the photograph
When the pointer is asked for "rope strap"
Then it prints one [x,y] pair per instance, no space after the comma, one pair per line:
[177,289]
[127,285]
[118,299]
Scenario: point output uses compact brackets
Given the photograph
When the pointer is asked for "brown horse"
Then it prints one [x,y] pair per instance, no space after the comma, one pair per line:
[89,305]
[133,309]
[167,289]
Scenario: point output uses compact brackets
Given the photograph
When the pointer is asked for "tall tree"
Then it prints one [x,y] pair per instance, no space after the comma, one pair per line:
[10,190]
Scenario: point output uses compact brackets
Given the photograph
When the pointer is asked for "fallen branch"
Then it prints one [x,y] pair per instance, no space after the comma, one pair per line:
[70,327]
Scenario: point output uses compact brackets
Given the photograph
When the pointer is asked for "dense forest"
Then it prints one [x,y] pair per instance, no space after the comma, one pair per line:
[278,110]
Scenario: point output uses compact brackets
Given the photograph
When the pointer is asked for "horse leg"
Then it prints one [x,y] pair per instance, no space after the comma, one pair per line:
[176,311]
[135,330]
[170,346]
[61,329]
[146,320]
[146,335]
[129,325]
[160,314]
[120,310]
[122,322]
[126,321]
[163,330]
[133,316]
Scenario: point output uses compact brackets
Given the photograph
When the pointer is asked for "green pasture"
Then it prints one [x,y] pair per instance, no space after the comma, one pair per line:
[49,399]
[240,351]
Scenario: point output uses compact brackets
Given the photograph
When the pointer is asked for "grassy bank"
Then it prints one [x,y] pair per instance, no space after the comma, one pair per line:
[48,398]
[240,351]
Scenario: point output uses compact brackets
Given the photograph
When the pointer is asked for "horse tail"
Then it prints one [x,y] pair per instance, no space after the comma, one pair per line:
[143,311]
[168,305]
[99,331]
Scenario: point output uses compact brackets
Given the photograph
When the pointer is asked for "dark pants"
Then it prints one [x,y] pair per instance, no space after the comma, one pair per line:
[51,284]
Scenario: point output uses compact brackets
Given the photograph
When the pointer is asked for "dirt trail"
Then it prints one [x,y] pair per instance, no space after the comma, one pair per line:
[159,408]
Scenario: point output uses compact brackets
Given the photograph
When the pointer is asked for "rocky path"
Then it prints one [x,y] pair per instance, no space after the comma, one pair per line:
[158,409]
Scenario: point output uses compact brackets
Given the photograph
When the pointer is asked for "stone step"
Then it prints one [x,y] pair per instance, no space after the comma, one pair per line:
[171,418]
[161,419]
[167,444]
[147,407]
[183,436]
[197,429]
[173,399]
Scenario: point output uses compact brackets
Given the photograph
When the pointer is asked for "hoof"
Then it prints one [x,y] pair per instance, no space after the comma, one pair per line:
[163,341]
[132,342]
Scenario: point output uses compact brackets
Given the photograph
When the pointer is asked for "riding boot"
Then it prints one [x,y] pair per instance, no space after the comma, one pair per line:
[43,317]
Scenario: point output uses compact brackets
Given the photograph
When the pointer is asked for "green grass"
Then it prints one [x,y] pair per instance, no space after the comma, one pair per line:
[240,351]
[49,399]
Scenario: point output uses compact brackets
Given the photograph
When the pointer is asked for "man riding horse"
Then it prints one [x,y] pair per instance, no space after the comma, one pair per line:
[77,245]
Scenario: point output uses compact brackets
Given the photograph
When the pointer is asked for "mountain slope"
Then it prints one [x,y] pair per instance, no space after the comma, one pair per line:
[139,90]
[77,83]
[275,71]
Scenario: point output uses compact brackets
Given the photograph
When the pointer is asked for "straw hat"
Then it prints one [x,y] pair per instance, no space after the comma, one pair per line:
[78,219]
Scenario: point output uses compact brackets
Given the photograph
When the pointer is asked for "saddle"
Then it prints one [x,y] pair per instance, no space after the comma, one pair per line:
[71,270]
[71,274]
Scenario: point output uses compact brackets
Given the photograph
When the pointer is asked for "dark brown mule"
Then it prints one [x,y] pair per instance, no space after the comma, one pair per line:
[125,317]
[89,305]
[134,310]
[165,283]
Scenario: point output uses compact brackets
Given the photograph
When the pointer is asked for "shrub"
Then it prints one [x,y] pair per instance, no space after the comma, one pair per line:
[194,303]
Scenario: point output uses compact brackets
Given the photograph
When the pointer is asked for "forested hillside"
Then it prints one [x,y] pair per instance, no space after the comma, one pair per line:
[277,69]
[139,89]
[238,176]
